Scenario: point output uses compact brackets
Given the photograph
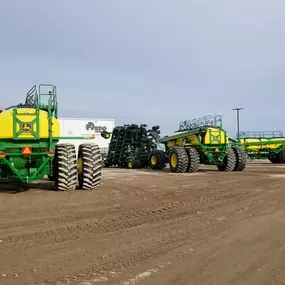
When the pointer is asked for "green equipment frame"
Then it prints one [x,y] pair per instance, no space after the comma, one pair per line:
[38,161]
[212,152]
[266,139]
[220,150]
[129,147]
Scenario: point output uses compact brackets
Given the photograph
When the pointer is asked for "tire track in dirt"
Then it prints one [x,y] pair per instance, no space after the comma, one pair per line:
[99,223]
[172,237]
[121,228]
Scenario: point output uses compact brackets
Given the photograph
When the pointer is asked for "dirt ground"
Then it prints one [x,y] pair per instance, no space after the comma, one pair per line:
[146,227]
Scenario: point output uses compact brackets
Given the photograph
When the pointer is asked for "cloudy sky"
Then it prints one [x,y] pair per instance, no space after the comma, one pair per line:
[149,61]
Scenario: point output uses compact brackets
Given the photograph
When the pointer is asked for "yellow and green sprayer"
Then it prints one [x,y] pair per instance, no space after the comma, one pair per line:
[30,148]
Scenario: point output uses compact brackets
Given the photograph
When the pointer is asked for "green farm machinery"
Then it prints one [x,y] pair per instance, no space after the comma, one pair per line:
[268,145]
[202,141]
[199,141]
[30,148]
[130,146]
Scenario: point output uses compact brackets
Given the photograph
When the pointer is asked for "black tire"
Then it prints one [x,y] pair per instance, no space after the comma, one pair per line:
[282,156]
[65,167]
[229,162]
[139,164]
[274,158]
[240,158]
[181,159]
[157,159]
[89,166]
[131,163]
[193,159]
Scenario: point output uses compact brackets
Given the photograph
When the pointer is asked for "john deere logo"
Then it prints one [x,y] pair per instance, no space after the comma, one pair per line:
[26,127]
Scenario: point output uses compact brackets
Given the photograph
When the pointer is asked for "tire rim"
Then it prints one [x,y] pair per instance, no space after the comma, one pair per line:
[153,160]
[80,166]
[173,160]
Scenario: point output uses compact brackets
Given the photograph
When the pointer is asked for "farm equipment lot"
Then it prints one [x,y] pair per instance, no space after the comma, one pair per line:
[148,227]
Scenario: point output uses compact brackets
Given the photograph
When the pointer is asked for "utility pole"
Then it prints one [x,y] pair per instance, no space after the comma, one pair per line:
[237,110]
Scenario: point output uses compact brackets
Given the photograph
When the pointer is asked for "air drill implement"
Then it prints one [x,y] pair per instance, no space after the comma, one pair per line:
[30,148]
[269,145]
[130,146]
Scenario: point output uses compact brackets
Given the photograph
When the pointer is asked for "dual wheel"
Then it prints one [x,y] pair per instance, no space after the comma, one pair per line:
[181,159]
[187,159]
[235,160]
[84,170]
[132,163]
[184,159]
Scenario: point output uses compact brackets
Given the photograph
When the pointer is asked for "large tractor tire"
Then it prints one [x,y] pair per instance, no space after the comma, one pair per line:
[274,157]
[282,156]
[193,159]
[229,162]
[89,166]
[240,158]
[65,168]
[157,159]
[274,160]
[178,159]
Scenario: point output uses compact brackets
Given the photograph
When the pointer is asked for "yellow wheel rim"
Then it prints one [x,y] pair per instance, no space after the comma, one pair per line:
[80,166]
[130,164]
[173,160]
[153,160]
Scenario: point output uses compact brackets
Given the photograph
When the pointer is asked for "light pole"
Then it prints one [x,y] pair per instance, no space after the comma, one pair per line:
[237,110]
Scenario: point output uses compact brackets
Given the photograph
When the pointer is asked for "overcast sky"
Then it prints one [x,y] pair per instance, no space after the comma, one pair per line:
[149,61]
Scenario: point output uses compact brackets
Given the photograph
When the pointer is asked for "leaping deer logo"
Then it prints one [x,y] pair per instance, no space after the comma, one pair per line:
[26,127]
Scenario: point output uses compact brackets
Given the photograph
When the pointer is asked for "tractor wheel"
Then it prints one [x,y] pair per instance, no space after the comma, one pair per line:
[157,159]
[274,157]
[131,163]
[282,156]
[229,162]
[89,166]
[240,158]
[274,160]
[65,170]
[178,159]
[193,159]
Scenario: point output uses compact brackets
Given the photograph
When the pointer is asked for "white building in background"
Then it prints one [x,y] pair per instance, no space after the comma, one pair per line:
[78,127]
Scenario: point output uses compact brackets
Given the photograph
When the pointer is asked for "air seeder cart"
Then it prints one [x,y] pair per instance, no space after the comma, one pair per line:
[201,141]
[29,148]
